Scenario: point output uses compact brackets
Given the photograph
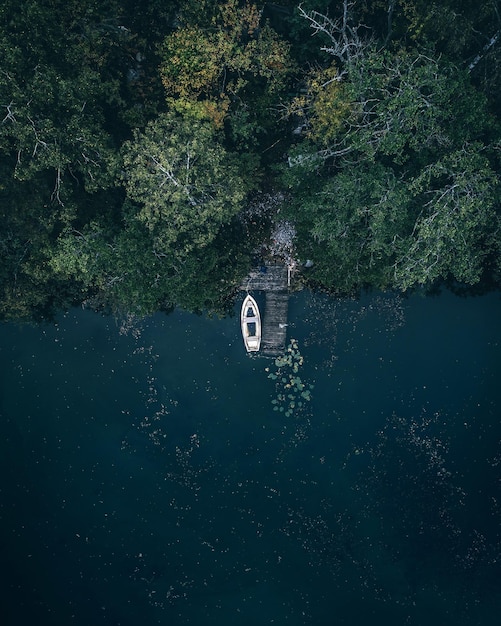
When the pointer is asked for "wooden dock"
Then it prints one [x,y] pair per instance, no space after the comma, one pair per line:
[272,279]
[274,331]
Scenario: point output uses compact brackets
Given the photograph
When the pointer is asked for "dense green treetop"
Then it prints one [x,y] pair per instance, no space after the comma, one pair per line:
[132,142]
[403,187]
[185,182]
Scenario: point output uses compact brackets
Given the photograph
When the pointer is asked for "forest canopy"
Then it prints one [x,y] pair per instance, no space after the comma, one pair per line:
[145,153]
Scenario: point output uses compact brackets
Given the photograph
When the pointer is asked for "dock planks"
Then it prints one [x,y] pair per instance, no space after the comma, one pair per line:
[272,279]
[274,332]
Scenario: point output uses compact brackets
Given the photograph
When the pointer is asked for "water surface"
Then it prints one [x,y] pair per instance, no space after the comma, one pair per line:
[149,475]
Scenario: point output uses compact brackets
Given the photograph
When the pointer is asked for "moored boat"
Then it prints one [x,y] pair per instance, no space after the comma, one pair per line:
[250,320]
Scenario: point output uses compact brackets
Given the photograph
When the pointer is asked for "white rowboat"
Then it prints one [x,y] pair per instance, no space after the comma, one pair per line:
[250,320]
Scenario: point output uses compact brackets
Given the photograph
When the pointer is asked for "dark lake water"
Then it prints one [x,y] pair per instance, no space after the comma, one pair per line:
[157,475]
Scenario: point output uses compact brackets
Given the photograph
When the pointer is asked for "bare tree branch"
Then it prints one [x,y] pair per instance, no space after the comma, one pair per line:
[347,44]
[391,8]
[57,188]
[10,114]
[492,41]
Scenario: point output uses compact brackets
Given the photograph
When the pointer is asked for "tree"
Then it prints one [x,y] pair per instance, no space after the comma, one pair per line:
[401,105]
[52,125]
[221,55]
[28,287]
[59,77]
[123,271]
[452,235]
[350,224]
[405,180]
[184,183]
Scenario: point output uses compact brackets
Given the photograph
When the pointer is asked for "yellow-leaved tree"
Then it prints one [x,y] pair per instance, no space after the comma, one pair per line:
[207,64]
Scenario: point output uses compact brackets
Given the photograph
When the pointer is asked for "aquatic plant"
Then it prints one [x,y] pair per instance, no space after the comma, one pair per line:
[292,391]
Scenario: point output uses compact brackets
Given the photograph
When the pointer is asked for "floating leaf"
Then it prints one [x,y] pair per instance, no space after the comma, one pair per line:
[289,385]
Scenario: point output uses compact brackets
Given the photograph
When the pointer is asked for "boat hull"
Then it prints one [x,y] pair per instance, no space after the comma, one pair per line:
[250,320]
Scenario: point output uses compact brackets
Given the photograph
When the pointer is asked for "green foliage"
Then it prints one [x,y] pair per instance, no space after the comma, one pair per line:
[125,273]
[393,178]
[59,80]
[393,185]
[451,27]
[351,224]
[325,105]
[366,227]
[56,84]
[458,197]
[221,57]
[402,105]
[185,183]
[28,288]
